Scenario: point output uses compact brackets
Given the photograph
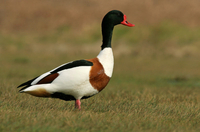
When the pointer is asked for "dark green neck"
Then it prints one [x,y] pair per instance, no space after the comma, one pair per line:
[107,30]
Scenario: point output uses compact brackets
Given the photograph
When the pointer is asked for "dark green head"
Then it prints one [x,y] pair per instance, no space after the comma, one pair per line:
[111,19]
[115,17]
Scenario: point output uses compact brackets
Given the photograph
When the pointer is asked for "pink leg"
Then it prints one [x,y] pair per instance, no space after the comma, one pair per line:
[78,104]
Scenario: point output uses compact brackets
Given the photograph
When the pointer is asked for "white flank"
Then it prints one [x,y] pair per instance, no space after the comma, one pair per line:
[106,59]
[73,81]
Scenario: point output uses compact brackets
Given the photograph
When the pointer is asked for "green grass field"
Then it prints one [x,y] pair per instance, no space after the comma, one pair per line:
[155,85]
[156,81]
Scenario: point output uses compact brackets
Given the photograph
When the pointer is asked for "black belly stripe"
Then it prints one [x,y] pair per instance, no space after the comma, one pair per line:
[66,97]
[62,96]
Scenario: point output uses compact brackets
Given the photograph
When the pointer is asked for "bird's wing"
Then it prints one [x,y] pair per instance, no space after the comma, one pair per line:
[50,76]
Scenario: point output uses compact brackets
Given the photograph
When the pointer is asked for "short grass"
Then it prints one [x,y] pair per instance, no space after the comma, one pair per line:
[155,85]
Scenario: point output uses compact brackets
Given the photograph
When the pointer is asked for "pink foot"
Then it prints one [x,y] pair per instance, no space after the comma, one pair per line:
[78,104]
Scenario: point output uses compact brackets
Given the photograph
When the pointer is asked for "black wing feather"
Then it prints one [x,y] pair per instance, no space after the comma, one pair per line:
[73,64]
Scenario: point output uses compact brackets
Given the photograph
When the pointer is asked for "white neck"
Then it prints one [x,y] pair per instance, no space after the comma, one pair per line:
[106,59]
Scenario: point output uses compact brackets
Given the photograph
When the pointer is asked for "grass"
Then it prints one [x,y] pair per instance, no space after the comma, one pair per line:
[155,85]
[132,106]
[146,93]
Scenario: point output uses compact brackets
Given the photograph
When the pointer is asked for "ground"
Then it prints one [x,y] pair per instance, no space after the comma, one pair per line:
[156,80]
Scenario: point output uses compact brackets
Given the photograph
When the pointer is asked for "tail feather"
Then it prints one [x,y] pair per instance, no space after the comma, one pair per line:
[25,85]
[21,90]
[28,83]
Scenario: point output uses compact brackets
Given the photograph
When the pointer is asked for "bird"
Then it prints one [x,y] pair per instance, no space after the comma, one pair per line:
[83,78]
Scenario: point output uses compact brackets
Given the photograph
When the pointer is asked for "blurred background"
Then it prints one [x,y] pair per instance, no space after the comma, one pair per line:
[165,40]
[172,25]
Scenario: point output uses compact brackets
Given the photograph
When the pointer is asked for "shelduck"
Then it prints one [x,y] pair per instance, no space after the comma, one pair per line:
[80,79]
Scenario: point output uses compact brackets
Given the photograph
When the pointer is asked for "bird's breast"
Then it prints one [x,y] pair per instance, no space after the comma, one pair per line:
[97,76]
